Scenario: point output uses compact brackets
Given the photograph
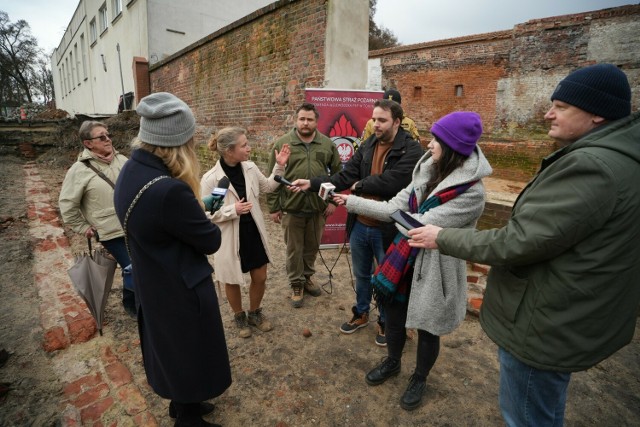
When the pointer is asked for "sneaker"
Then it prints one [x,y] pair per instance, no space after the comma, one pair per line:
[257,319]
[385,370]
[381,340]
[242,324]
[412,397]
[359,320]
[311,288]
[296,295]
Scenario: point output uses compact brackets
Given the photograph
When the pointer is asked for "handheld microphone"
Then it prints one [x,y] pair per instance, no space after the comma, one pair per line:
[327,191]
[282,180]
[216,200]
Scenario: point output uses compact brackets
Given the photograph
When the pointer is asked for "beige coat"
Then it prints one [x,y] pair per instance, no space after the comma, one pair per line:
[86,200]
[226,261]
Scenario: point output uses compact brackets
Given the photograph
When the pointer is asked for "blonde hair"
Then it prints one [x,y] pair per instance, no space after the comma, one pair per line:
[182,161]
[225,139]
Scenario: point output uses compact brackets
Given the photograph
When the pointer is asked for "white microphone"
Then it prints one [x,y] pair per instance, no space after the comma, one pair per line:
[327,191]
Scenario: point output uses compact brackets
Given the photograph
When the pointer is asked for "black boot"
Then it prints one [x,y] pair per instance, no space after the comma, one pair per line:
[189,415]
[387,369]
[412,397]
[205,408]
[129,302]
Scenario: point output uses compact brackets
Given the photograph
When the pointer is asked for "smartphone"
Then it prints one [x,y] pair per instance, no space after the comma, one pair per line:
[405,220]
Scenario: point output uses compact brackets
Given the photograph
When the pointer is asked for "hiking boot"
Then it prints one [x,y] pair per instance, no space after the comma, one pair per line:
[242,324]
[359,320]
[311,288]
[257,319]
[296,295]
[385,370]
[412,397]
[381,340]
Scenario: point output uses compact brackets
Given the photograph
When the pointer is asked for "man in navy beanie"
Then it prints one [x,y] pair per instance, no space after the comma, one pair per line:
[562,294]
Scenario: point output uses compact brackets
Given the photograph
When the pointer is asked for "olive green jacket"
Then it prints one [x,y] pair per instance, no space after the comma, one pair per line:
[564,289]
[320,157]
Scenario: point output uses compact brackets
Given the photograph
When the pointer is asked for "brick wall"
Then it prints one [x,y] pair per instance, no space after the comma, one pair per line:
[251,73]
[516,160]
[508,76]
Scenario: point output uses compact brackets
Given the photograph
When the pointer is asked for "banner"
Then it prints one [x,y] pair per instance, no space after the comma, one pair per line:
[343,116]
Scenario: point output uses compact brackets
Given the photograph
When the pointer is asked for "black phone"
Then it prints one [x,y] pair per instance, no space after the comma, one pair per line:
[405,220]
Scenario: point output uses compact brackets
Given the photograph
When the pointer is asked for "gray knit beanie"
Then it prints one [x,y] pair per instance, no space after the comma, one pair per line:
[601,89]
[165,121]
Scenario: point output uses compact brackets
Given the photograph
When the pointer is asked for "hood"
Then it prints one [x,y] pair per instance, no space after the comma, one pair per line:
[474,168]
[621,135]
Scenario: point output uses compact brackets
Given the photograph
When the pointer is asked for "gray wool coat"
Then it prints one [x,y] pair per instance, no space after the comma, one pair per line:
[438,299]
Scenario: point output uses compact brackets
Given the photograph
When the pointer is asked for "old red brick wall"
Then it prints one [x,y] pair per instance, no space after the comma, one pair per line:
[508,76]
[251,73]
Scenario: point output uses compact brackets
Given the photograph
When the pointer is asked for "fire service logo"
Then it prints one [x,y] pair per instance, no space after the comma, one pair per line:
[345,138]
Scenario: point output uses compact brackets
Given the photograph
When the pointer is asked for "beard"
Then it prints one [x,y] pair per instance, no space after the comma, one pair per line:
[306,132]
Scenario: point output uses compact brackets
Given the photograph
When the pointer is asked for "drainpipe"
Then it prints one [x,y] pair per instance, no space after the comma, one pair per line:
[124,100]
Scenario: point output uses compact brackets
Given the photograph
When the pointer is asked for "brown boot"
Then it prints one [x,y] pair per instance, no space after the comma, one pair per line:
[242,324]
[257,319]
[359,320]
[297,295]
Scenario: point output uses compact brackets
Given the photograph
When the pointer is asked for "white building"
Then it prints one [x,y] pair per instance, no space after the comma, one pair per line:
[93,64]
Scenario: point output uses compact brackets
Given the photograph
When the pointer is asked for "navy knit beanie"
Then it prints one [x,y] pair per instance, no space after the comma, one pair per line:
[601,89]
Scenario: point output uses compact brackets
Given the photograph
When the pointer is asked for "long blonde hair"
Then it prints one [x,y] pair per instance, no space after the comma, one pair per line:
[182,161]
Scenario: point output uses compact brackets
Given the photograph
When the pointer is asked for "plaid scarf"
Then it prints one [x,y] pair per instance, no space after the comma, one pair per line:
[390,280]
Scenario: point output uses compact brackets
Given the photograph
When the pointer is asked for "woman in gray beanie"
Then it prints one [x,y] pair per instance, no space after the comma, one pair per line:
[169,237]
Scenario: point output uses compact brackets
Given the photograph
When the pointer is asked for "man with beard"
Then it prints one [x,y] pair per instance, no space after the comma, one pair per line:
[380,168]
[303,215]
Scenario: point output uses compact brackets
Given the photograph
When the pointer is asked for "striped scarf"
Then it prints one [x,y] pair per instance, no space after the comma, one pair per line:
[390,280]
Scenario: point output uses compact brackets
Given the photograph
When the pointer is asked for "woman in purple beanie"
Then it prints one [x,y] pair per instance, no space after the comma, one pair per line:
[423,289]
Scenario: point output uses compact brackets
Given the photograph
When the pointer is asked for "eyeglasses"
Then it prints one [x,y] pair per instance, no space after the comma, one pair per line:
[102,138]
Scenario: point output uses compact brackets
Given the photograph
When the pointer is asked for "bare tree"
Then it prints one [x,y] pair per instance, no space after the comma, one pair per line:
[19,54]
[379,37]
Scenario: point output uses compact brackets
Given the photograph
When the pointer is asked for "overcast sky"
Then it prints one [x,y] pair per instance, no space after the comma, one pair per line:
[412,21]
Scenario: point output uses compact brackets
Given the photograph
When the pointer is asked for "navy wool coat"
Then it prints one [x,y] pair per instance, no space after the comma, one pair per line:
[181,334]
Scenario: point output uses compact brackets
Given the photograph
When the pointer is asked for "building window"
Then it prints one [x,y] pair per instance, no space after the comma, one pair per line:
[63,81]
[68,76]
[116,8]
[102,14]
[417,91]
[73,76]
[459,91]
[83,46]
[93,31]
[77,64]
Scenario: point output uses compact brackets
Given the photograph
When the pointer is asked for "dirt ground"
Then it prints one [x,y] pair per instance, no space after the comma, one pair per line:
[280,378]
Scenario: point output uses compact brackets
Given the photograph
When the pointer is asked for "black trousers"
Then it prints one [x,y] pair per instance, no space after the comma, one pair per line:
[428,346]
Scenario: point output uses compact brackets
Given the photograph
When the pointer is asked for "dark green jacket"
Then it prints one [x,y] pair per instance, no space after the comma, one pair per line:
[319,157]
[564,289]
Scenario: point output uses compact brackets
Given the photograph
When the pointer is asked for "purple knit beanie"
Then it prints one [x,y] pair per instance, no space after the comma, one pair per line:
[460,131]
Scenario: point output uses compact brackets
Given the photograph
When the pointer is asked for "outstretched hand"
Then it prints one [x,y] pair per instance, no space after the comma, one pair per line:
[300,185]
[282,156]
[424,237]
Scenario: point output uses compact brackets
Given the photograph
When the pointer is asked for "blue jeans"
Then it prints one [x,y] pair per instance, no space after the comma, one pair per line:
[118,248]
[365,243]
[530,396]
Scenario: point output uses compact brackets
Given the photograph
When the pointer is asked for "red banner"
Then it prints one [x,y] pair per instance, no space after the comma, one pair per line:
[343,116]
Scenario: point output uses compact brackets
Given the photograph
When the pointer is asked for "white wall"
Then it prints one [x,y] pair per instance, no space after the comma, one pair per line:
[140,30]
[173,26]
[347,44]
[98,91]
